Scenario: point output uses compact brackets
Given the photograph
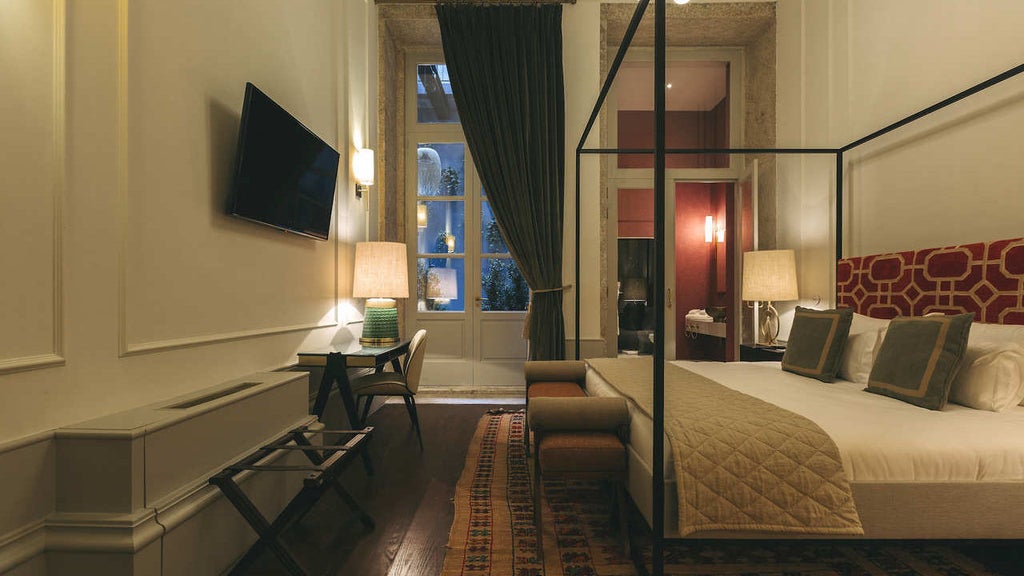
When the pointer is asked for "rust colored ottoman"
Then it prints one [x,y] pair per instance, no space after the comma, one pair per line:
[580,439]
[553,379]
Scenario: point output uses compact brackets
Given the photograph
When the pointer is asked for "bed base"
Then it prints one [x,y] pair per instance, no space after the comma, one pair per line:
[918,511]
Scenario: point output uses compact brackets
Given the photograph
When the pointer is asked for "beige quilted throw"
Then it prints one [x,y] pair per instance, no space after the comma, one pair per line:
[741,463]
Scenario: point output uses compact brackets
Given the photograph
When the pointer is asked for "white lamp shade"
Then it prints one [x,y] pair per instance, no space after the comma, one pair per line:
[363,166]
[381,271]
[442,284]
[769,275]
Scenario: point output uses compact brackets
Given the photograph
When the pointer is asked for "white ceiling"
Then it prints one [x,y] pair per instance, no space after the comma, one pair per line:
[696,86]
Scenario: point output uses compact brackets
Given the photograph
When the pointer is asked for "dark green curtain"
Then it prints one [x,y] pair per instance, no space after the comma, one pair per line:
[505,65]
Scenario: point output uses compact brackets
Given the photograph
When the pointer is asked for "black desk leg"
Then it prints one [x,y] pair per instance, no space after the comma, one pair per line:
[339,374]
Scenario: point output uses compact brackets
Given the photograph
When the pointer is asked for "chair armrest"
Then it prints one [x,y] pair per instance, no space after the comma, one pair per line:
[555,371]
[592,413]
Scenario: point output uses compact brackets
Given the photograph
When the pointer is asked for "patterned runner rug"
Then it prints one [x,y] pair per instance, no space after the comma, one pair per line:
[493,533]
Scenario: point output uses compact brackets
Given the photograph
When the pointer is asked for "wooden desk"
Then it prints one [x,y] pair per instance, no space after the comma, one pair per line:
[336,361]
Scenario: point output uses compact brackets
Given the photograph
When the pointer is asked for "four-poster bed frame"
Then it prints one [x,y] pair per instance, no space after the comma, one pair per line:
[660,151]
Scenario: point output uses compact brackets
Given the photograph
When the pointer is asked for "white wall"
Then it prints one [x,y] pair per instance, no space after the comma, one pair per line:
[124,281]
[158,291]
[849,67]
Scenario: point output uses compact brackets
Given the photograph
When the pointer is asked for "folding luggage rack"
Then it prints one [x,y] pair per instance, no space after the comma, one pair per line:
[326,464]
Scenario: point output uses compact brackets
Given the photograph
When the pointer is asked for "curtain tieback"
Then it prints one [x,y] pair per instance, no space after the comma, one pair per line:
[529,306]
[559,289]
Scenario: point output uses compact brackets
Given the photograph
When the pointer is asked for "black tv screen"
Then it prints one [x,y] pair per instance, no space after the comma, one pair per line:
[285,174]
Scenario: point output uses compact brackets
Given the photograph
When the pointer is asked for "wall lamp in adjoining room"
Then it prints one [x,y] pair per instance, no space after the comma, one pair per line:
[711,233]
[362,170]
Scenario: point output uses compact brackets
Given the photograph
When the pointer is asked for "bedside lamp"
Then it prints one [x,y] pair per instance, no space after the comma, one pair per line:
[769,276]
[381,275]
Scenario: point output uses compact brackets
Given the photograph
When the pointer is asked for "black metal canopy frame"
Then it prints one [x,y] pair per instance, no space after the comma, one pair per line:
[660,151]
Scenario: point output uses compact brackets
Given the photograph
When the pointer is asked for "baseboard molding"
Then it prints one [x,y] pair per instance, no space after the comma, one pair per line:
[22,545]
[518,391]
[103,533]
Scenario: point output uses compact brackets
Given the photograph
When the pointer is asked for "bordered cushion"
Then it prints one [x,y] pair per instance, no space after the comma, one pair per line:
[919,359]
[816,342]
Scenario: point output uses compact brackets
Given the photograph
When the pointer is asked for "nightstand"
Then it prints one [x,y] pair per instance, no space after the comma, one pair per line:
[762,353]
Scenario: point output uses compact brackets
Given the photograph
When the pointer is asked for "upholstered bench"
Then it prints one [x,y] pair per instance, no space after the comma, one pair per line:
[553,379]
[580,439]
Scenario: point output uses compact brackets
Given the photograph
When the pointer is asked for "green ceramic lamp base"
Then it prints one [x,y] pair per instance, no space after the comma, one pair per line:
[380,323]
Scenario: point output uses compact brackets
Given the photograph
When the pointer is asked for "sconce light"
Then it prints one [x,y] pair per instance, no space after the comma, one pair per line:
[449,240]
[712,234]
[421,215]
[362,170]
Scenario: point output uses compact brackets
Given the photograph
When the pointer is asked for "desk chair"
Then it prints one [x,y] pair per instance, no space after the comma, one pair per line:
[404,383]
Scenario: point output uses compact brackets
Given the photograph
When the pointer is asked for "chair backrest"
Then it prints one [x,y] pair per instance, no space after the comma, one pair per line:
[414,360]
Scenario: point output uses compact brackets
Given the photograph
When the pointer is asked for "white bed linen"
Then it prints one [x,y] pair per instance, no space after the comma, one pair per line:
[880,439]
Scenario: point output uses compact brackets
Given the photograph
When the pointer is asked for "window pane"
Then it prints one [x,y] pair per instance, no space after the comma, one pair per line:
[439,284]
[491,241]
[443,231]
[502,286]
[440,169]
[434,101]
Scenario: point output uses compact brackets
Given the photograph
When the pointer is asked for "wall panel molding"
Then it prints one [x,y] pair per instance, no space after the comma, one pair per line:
[129,348]
[55,356]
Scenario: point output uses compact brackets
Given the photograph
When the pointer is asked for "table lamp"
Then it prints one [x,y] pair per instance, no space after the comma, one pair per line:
[381,275]
[442,285]
[769,276]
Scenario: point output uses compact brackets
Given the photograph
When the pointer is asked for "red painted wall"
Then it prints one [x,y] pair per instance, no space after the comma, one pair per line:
[702,269]
[682,130]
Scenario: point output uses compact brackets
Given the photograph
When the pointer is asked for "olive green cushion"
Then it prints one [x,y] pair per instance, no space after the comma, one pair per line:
[816,342]
[919,359]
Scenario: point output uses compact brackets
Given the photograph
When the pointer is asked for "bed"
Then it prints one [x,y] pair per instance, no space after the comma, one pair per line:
[914,473]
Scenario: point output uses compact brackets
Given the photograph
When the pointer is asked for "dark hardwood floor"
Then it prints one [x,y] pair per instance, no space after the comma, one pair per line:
[409,497]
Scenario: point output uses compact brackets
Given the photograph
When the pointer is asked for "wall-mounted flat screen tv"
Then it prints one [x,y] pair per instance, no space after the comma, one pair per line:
[285,174]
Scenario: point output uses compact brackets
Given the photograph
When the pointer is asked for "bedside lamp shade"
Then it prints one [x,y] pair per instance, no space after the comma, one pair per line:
[769,275]
[381,274]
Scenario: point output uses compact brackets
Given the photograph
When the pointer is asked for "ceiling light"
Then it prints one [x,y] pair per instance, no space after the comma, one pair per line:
[682,1]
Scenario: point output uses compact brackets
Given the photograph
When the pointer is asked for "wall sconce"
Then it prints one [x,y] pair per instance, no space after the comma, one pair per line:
[362,170]
[421,215]
[449,240]
[712,234]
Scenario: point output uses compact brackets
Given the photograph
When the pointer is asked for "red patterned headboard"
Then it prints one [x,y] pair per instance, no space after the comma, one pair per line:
[986,278]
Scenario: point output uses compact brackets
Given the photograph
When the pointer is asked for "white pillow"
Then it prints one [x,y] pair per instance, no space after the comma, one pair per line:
[865,337]
[859,355]
[991,376]
[981,332]
[862,323]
